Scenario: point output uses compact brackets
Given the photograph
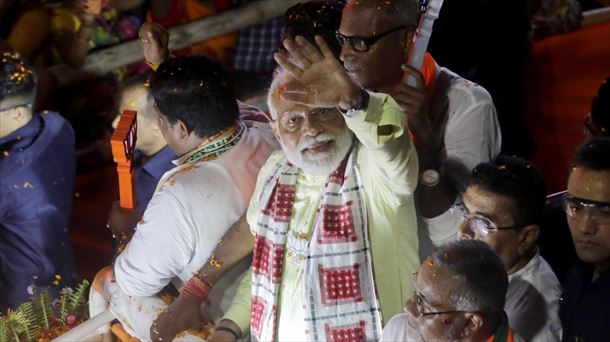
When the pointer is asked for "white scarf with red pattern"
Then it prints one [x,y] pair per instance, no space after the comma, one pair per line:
[339,296]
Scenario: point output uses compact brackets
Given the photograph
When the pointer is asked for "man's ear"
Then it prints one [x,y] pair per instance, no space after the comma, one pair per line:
[474,322]
[528,237]
[183,128]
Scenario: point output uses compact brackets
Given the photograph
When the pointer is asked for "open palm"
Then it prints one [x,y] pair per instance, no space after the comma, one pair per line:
[322,80]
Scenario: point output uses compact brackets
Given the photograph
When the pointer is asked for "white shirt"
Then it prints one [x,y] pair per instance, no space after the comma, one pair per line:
[466,124]
[397,329]
[190,213]
[532,302]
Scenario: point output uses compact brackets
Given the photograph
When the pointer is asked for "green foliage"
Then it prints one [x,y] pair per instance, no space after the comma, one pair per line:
[44,309]
[4,331]
[44,316]
[77,298]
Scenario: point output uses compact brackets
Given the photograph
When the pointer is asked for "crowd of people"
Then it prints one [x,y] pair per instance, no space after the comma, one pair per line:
[358,207]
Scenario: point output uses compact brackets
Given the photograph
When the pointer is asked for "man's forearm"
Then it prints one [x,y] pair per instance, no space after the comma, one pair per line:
[433,200]
[233,248]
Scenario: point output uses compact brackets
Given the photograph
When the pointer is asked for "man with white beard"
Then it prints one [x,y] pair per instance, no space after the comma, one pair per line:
[332,213]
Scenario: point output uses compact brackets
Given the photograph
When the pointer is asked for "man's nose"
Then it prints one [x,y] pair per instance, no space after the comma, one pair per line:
[347,52]
[587,224]
[464,231]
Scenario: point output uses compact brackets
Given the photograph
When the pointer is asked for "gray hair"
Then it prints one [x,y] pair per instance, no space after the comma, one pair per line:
[480,272]
[399,12]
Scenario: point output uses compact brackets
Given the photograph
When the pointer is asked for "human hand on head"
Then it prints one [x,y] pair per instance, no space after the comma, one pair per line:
[155,42]
[323,81]
[181,315]
[413,100]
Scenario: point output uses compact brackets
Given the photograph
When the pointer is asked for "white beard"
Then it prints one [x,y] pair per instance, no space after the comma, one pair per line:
[323,163]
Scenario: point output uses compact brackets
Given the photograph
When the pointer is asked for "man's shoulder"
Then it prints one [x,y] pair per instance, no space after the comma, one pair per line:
[462,91]
[275,158]
[57,133]
[56,123]
[193,177]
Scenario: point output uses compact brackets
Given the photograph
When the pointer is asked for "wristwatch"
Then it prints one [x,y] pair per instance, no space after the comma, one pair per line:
[356,110]
[430,177]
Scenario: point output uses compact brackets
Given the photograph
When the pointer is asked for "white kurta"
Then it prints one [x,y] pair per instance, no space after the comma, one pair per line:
[183,223]
[464,119]
[532,302]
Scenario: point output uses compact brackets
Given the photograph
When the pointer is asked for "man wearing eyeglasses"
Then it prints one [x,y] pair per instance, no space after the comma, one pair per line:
[502,207]
[458,295]
[453,121]
[37,166]
[585,306]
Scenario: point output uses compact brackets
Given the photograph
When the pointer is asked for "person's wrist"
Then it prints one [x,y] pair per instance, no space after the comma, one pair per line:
[196,289]
[356,106]
[230,327]
[163,56]
[354,99]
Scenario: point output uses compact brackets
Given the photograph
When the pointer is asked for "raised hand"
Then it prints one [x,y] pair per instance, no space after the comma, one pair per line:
[155,41]
[413,100]
[92,7]
[181,315]
[322,81]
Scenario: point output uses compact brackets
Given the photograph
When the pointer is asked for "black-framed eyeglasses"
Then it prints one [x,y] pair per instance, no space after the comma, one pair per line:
[577,208]
[27,105]
[478,224]
[363,44]
[419,303]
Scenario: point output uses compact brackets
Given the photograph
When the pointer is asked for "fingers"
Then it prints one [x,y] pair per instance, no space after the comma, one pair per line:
[93,7]
[143,31]
[308,50]
[416,74]
[296,52]
[326,51]
[287,65]
[153,32]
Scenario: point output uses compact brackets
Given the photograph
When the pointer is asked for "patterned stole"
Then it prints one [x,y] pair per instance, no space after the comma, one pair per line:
[210,149]
[339,295]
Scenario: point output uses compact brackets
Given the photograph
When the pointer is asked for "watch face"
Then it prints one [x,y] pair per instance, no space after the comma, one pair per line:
[430,177]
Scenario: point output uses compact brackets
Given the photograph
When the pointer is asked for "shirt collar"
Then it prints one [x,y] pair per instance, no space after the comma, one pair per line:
[532,263]
[156,166]
[24,136]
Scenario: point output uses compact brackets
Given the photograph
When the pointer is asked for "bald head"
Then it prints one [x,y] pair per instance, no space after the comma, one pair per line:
[390,25]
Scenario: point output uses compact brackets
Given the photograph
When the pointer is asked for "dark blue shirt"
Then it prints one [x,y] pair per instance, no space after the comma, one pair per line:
[37,166]
[585,305]
[147,175]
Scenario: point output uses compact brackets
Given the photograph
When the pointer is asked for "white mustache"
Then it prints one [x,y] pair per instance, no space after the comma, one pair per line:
[319,139]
